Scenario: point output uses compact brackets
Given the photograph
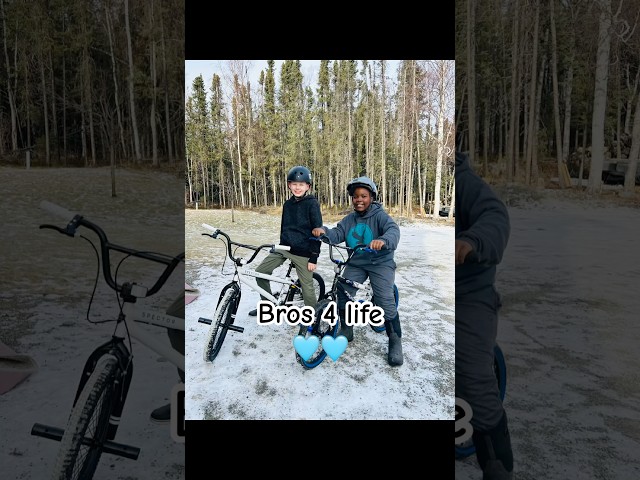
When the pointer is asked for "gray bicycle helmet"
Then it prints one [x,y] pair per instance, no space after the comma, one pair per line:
[299,174]
[364,182]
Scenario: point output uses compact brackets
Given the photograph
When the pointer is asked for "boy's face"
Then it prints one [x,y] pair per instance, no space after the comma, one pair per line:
[299,188]
[361,199]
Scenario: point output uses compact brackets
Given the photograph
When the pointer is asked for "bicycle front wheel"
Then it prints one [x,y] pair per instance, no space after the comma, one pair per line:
[319,328]
[83,440]
[221,321]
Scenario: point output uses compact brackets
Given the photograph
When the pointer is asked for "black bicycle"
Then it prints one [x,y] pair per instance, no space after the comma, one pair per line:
[224,317]
[104,383]
[364,293]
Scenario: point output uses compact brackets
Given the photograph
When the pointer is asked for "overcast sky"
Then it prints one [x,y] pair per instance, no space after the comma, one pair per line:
[207,68]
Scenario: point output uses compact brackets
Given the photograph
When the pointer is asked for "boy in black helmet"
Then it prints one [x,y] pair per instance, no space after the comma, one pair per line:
[369,224]
[482,234]
[300,215]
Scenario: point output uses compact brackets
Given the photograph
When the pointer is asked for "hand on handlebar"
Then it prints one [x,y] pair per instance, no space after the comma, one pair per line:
[377,244]
[318,232]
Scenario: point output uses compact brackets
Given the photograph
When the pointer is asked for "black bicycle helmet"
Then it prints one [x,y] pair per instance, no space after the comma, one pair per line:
[299,174]
[364,182]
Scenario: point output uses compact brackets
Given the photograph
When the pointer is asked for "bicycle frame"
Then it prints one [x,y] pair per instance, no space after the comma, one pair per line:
[252,273]
[141,314]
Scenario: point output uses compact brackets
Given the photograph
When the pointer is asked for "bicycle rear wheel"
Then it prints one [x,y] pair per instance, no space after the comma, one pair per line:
[294,294]
[467,449]
[83,440]
[396,296]
[319,328]
[221,320]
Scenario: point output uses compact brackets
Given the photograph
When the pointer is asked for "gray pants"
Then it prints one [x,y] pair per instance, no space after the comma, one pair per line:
[476,330]
[381,277]
[274,260]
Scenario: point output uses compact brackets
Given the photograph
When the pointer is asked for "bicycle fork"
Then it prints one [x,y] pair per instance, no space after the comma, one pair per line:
[116,349]
[234,308]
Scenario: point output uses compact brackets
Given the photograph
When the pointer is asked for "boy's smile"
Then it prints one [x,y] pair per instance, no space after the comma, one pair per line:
[361,199]
[299,188]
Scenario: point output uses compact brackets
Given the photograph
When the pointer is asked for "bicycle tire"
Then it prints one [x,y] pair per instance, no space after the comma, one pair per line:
[467,449]
[221,319]
[89,418]
[319,328]
[396,296]
[294,294]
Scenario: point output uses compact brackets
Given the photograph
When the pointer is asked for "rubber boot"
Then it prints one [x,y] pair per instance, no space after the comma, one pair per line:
[395,343]
[346,330]
[493,451]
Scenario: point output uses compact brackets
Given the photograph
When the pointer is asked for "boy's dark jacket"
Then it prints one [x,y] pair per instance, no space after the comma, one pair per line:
[299,217]
[374,224]
[482,220]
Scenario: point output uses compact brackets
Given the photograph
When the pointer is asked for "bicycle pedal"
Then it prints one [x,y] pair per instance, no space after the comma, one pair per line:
[205,320]
[114,448]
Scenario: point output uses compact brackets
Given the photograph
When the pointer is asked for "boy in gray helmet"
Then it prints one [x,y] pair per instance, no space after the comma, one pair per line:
[370,225]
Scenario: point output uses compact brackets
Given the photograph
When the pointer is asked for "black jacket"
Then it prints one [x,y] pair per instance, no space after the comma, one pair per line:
[299,217]
[482,220]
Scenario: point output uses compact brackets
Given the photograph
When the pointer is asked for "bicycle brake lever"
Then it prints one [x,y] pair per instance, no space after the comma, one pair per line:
[67,231]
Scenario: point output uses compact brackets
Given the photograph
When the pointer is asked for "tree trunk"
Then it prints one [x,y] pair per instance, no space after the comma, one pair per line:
[440,143]
[600,97]
[632,168]
[471,81]
[556,97]
[567,111]
[132,103]
[383,149]
[45,112]
[452,208]
[11,88]
[152,116]
[165,80]
[512,136]
[532,97]
[53,107]
[115,81]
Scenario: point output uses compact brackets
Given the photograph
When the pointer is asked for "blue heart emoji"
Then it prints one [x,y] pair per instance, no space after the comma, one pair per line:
[306,346]
[334,347]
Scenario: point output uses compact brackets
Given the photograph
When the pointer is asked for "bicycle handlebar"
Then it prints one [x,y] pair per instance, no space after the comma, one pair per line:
[325,239]
[76,220]
[240,261]
[57,210]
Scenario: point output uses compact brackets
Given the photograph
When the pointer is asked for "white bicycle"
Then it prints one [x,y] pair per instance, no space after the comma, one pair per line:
[102,391]
[290,292]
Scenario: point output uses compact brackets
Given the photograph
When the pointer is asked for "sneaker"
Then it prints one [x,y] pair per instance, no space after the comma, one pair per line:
[253,312]
[161,414]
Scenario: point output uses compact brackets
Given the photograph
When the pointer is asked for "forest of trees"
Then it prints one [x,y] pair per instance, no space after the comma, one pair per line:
[92,83]
[551,82]
[355,119]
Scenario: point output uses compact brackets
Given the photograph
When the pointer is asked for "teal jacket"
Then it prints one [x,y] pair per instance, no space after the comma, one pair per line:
[373,224]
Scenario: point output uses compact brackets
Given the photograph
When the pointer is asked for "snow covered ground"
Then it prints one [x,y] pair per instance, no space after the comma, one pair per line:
[47,281]
[569,330]
[256,376]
